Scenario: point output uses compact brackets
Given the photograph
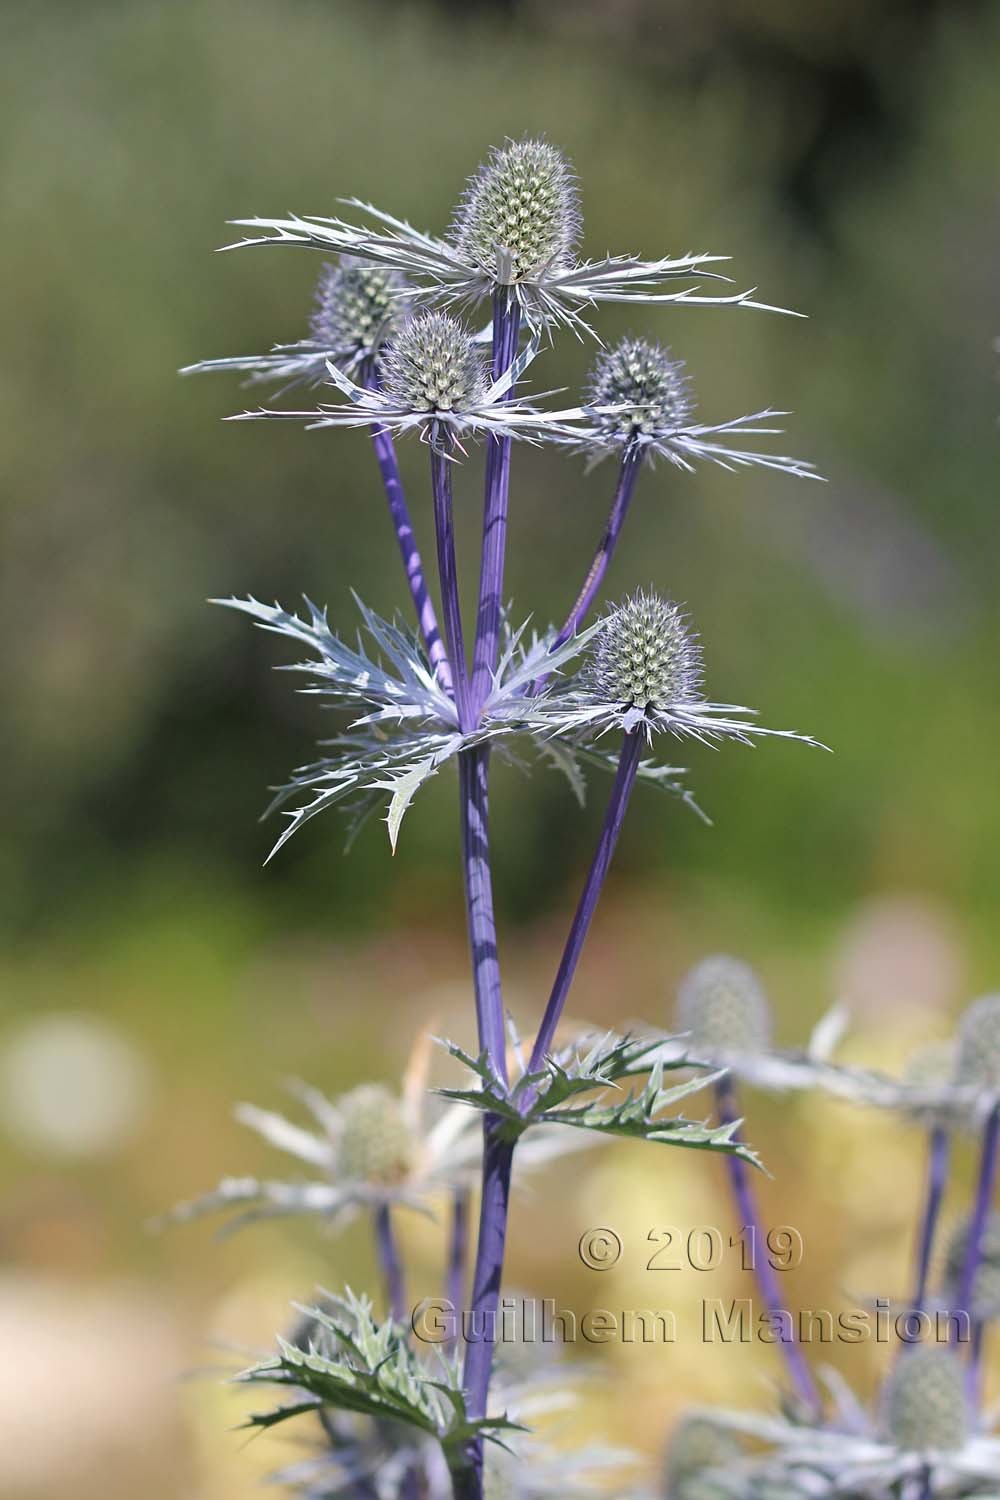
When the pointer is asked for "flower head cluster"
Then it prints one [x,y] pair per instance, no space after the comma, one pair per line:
[357,308]
[515,231]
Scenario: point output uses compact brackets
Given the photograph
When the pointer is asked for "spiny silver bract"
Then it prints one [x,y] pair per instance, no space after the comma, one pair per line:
[646,655]
[433,365]
[925,1404]
[643,377]
[376,1144]
[723,1005]
[520,213]
[979,1044]
[357,307]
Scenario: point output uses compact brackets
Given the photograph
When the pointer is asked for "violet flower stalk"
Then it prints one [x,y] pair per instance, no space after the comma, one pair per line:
[721,1004]
[938,1157]
[979,1067]
[387,1250]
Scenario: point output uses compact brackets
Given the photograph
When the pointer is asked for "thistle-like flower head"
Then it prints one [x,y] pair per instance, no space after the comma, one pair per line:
[357,308]
[517,228]
[433,365]
[722,1004]
[925,1404]
[520,215]
[639,398]
[376,1143]
[643,378]
[979,1044]
[646,656]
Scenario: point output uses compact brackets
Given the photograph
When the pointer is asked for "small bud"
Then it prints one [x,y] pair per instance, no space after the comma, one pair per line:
[520,213]
[925,1401]
[722,1003]
[696,1447]
[645,655]
[357,306]
[641,375]
[433,364]
[979,1044]
[986,1283]
[375,1146]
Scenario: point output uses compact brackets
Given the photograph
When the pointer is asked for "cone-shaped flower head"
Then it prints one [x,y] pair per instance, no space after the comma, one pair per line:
[433,365]
[376,1145]
[642,376]
[697,1447]
[520,213]
[646,655]
[979,1044]
[722,1003]
[925,1405]
[357,307]
[986,1284]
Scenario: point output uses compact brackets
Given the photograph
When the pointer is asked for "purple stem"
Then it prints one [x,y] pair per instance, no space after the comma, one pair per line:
[939,1151]
[458,1242]
[473,768]
[385,453]
[628,473]
[628,765]
[977,1230]
[767,1278]
[506,329]
[390,1263]
[498,1158]
[444,526]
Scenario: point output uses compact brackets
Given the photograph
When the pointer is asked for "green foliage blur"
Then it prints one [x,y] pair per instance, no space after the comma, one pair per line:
[845,157]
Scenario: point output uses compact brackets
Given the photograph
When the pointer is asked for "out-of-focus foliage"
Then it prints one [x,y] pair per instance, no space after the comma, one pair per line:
[845,156]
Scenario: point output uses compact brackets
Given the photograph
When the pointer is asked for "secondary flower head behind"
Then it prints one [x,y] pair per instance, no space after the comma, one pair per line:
[357,308]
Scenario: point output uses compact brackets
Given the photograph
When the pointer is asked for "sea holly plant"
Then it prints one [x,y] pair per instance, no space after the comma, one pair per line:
[606,691]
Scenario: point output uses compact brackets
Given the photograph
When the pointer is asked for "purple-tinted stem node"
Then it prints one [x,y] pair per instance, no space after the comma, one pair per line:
[399,511]
[938,1155]
[481,1325]
[621,791]
[727,1106]
[974,1248]
[506,328]
[628,473]
[444,527]
[458,1244]
[390,1262]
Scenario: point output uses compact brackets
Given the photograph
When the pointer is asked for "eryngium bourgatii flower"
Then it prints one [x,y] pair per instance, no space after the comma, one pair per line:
[920,1438]
[979,1045]
[925,1405]
[372,1147]
[722,1006]
[698,1455]
[639,396]
[357,308]
[516,228]
[434,380]
[644,672]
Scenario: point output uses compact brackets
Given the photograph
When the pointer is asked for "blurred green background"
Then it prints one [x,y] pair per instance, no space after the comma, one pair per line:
[846,158]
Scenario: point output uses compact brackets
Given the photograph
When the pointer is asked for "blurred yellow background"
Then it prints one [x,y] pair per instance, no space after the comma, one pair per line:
[154,973]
